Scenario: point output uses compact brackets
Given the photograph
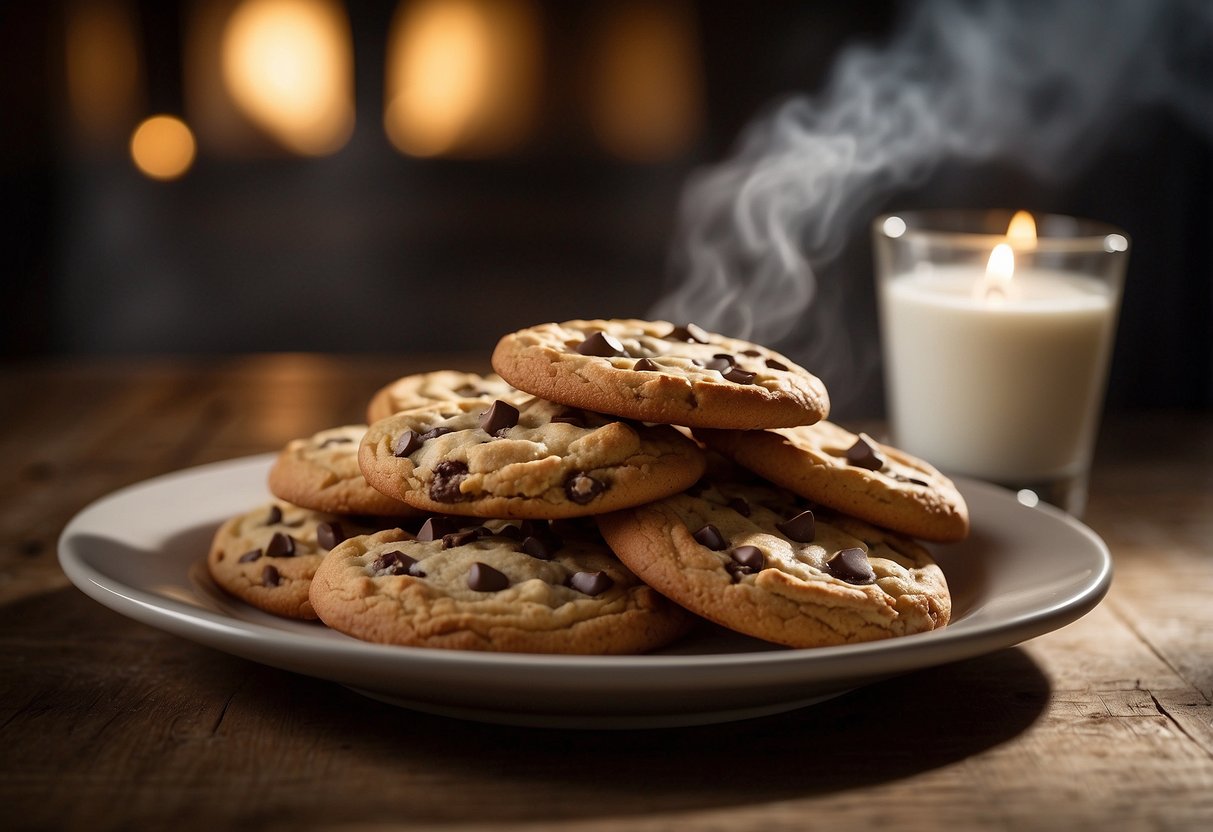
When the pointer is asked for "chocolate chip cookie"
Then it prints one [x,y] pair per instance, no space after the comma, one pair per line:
[321,472]
[267,556]
[537,460]
[655,371]
[852,473]
[472,585]
[419,389]
[760,561]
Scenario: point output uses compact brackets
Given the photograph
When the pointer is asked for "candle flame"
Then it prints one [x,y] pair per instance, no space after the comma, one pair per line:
[999,271]
[1021,233]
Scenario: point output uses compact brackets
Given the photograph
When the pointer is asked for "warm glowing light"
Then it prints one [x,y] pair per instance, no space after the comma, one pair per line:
[1115,242]
[163,147]
[646,99]
[1021,233]
[102,67]
[999,270]
[288,65]
[461,76]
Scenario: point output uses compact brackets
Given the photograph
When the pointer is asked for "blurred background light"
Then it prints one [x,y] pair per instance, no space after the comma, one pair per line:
[646,97]
[462,76]
[102,69]
[288,66]
[163,147]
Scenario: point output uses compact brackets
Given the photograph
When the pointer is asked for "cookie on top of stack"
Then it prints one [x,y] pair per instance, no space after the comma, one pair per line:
[614,482]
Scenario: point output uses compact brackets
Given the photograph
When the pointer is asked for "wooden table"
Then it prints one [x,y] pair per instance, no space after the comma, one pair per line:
[106,723]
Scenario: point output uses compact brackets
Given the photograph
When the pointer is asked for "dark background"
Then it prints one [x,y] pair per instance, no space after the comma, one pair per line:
[368,250]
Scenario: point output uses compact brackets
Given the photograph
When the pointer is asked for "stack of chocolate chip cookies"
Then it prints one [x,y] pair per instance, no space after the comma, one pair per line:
[615,482]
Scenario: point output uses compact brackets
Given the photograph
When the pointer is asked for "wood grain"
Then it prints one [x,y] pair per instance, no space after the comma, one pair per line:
[108,724]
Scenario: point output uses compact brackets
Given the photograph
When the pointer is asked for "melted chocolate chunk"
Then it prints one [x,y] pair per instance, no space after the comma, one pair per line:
[484,578]
[436,528]
[751,353]
[434,433]
[776,365]
[851,565]
[737,571]
[740,505]
[463,538]
[690,333]
[863,454]
[719,364]
[469,391]
[281,546]
[396,563]
[711,537]
[740,376]
[249,557]
[582,488]
[406,443]
[576,418]
[646,365]
[328,535]
[591,583]
[750,557]
[537,547]
[601,345]
[444,487]
[802,528]
[275,516]
[500,417]
[270,576]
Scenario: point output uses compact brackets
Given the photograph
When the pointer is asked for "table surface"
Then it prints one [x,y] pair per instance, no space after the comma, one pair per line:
[107,723]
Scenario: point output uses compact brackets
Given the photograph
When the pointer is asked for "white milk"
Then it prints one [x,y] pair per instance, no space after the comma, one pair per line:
[1006,388]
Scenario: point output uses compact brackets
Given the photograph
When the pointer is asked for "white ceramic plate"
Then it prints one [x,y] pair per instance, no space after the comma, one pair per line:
[141,551]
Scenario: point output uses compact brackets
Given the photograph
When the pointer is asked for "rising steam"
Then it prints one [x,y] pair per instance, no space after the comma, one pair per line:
[1032,84]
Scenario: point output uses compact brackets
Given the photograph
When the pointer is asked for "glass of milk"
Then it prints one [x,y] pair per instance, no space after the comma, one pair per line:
[997,333]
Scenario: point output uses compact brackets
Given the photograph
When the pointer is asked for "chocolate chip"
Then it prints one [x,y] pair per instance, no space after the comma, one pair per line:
[576,418]
[740,505]
[646,365]
[776,365]
[740,376]
[750,557]
[450,541]
[720,365]
[396,563]
[851,565]
[406,443]
[512,532]
[726,356]
[582,488]
[436,528]
[249,557]
[336,440]
[591,583]
[863,454]
[802,528]
[690,332]
[484,578]
[434,433]
[538,547]
[751,353]
[275,516]
[711,537]
[499,417]
[328,535]
[469,391]
[281,546]
[270,576]
[737,571]
[601,345]
[444,487]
